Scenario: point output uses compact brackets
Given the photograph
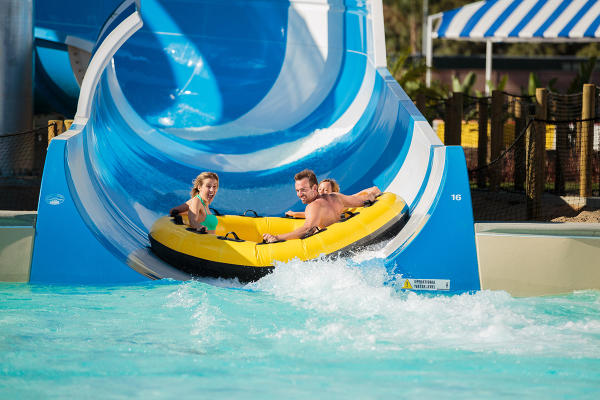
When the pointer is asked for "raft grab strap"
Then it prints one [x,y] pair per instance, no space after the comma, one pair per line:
[202,230]
[177,219]
[313,231]
[247,211]
[215,211]
[346,215]
[369,203]
[263,242]
[234,239]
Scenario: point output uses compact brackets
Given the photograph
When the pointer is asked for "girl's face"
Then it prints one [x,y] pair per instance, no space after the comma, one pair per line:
[208,189]
[325,188]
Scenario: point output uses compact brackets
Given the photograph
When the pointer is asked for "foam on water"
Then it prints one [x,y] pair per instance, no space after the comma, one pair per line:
[329,329]
[365,305]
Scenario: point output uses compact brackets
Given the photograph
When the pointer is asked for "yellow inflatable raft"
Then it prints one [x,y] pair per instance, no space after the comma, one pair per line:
[237,251]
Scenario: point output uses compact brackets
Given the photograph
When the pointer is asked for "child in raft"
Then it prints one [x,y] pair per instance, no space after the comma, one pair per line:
[203,192]
[329,185]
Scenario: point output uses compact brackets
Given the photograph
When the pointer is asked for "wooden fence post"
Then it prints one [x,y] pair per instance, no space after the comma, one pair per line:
[421,102]
[520,123]
[482,143]
[536,147]
[496,138]
[453,123]
[588,108]
[447,118]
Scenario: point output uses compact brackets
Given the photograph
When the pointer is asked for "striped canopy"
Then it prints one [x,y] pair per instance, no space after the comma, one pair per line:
[522,20]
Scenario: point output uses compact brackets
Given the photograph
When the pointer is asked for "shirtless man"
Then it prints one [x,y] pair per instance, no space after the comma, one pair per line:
[322,210]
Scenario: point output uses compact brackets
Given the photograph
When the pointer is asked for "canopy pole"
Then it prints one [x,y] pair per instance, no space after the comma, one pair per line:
[488,67]
[424,27]
[429,50]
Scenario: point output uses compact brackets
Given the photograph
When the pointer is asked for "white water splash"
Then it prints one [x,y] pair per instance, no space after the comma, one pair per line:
[361,306]
[203,316]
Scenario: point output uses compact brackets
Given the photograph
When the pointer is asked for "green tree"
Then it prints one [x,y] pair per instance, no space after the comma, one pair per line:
[403,26]
[584,75]
[402,20]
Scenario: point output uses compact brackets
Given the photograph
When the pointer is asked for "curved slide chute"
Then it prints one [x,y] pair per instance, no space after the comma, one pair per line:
[65,33]
[255,91]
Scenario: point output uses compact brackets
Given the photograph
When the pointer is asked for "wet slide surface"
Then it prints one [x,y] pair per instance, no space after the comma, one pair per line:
[254,91]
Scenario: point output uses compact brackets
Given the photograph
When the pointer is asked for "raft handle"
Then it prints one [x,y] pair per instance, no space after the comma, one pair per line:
[234,239]
[177,219]
[369,203]
[201,231]
[277,241]
[313,231]
[247,211]
[349,215]
[215,211]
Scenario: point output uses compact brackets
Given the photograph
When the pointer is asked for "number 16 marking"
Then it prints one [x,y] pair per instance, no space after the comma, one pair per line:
[456,197]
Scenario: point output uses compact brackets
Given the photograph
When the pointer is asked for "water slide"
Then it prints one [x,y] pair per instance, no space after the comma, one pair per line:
[255,90]
[65,33]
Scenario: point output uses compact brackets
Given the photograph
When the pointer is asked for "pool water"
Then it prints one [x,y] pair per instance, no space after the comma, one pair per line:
[323,329]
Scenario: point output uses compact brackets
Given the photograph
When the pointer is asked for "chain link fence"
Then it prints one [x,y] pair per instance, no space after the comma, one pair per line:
[22,156]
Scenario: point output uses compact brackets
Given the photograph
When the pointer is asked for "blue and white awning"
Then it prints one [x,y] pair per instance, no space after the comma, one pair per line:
[522,20]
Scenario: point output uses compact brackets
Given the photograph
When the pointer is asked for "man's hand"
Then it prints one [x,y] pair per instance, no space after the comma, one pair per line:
[268,238]
[294,214]
[374,192]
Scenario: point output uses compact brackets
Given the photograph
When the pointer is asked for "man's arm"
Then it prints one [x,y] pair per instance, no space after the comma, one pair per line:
[370,193]
[312,219]
[356,200]
[295,214]
[180,209]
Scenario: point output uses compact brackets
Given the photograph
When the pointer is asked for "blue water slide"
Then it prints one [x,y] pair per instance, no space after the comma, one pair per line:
[65,31]
[255,90]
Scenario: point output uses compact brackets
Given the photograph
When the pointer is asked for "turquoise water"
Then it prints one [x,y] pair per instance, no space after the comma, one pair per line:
[310,330]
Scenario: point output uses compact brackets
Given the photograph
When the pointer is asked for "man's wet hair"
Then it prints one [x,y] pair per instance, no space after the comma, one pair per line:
[307,173]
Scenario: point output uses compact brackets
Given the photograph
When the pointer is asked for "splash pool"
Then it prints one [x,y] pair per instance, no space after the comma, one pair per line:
[339,329]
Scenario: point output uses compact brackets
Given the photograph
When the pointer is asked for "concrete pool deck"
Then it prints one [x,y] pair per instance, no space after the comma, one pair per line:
[536,259]
[17,230]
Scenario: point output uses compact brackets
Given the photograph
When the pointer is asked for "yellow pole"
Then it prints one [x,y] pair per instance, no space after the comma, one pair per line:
[55,128]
